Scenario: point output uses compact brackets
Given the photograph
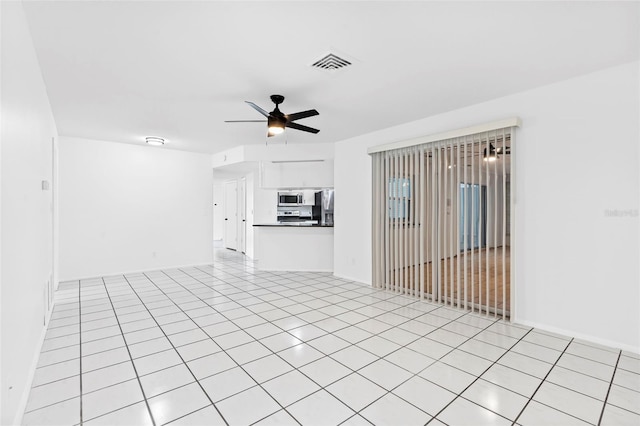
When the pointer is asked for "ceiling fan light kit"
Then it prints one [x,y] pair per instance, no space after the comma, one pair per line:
[493,152]
[275,126]
[492,156]
[278,121]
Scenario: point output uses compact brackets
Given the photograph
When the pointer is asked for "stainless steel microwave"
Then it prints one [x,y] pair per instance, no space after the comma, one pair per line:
[289,199]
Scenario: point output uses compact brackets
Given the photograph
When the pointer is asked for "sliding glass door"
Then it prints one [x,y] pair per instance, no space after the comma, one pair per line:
[440,218]
[473,216]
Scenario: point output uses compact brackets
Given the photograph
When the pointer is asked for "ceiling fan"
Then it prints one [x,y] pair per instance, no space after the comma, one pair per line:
[495,152]
[277,121]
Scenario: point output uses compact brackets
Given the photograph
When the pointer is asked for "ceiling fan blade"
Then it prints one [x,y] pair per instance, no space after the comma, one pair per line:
[303,114]
[301,127]
[257,108]
[245,121]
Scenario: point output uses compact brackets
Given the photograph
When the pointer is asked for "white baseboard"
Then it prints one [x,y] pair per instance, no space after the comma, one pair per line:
[582,336]
[22,405]
[344,277]
[137,271]
[295,270]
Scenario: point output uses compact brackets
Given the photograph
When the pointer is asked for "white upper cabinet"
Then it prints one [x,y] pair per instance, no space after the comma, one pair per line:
[300,174]
[309,197]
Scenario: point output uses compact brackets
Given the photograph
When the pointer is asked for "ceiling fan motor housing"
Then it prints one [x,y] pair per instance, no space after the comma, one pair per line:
[277,99]
[276,120]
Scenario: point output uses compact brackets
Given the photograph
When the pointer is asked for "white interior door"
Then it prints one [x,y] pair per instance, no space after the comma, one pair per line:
[218,212]
[231,215]
[242,215]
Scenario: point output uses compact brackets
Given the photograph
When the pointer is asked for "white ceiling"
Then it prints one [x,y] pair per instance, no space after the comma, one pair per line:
[122,70]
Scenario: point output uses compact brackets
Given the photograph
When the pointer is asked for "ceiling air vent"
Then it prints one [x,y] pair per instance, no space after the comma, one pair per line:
[331,62]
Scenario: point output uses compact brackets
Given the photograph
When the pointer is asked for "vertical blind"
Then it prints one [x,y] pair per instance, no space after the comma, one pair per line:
[441,220]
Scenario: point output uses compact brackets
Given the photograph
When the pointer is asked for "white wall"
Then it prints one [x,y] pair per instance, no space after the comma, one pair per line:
[132,208]
[577,156]
[264,208]
[26,253]
[265,205]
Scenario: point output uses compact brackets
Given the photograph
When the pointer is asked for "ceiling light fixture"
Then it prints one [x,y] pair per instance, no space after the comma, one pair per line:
[155,140]
[276,126]
[494,152]
[492,156]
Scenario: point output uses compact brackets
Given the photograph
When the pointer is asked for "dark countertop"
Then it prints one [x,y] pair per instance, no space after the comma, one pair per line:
[294,225]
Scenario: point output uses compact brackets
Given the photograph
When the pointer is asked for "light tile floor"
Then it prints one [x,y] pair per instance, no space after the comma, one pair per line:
[230,344]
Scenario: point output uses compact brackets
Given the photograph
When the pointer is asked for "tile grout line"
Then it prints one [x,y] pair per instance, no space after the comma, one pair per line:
[294,302]
[245,287]
[391,296]
[480,330]
[191,412]
[391,325]
[604,404]
[276,284]
[225,352]
[575,390]
[174,348]
[330,333]
[544,380]
[284,331]
[275,353]
[313,323]
[153,422]
[368,317]
[306,342]
[450,320]
[294,368]
[80,343]
[478,376]
[418,374]
[453,348]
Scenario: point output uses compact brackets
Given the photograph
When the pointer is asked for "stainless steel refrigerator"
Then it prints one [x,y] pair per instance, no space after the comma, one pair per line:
[323,208]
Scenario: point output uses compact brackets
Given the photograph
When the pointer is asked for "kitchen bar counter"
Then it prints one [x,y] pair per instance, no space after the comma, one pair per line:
[294,247]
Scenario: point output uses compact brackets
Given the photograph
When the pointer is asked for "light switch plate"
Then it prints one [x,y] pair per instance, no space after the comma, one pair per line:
[45,185]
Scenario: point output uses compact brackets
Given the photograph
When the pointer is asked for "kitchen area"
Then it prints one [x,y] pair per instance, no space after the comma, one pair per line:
[305,207]
[301,239]
[276,204]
